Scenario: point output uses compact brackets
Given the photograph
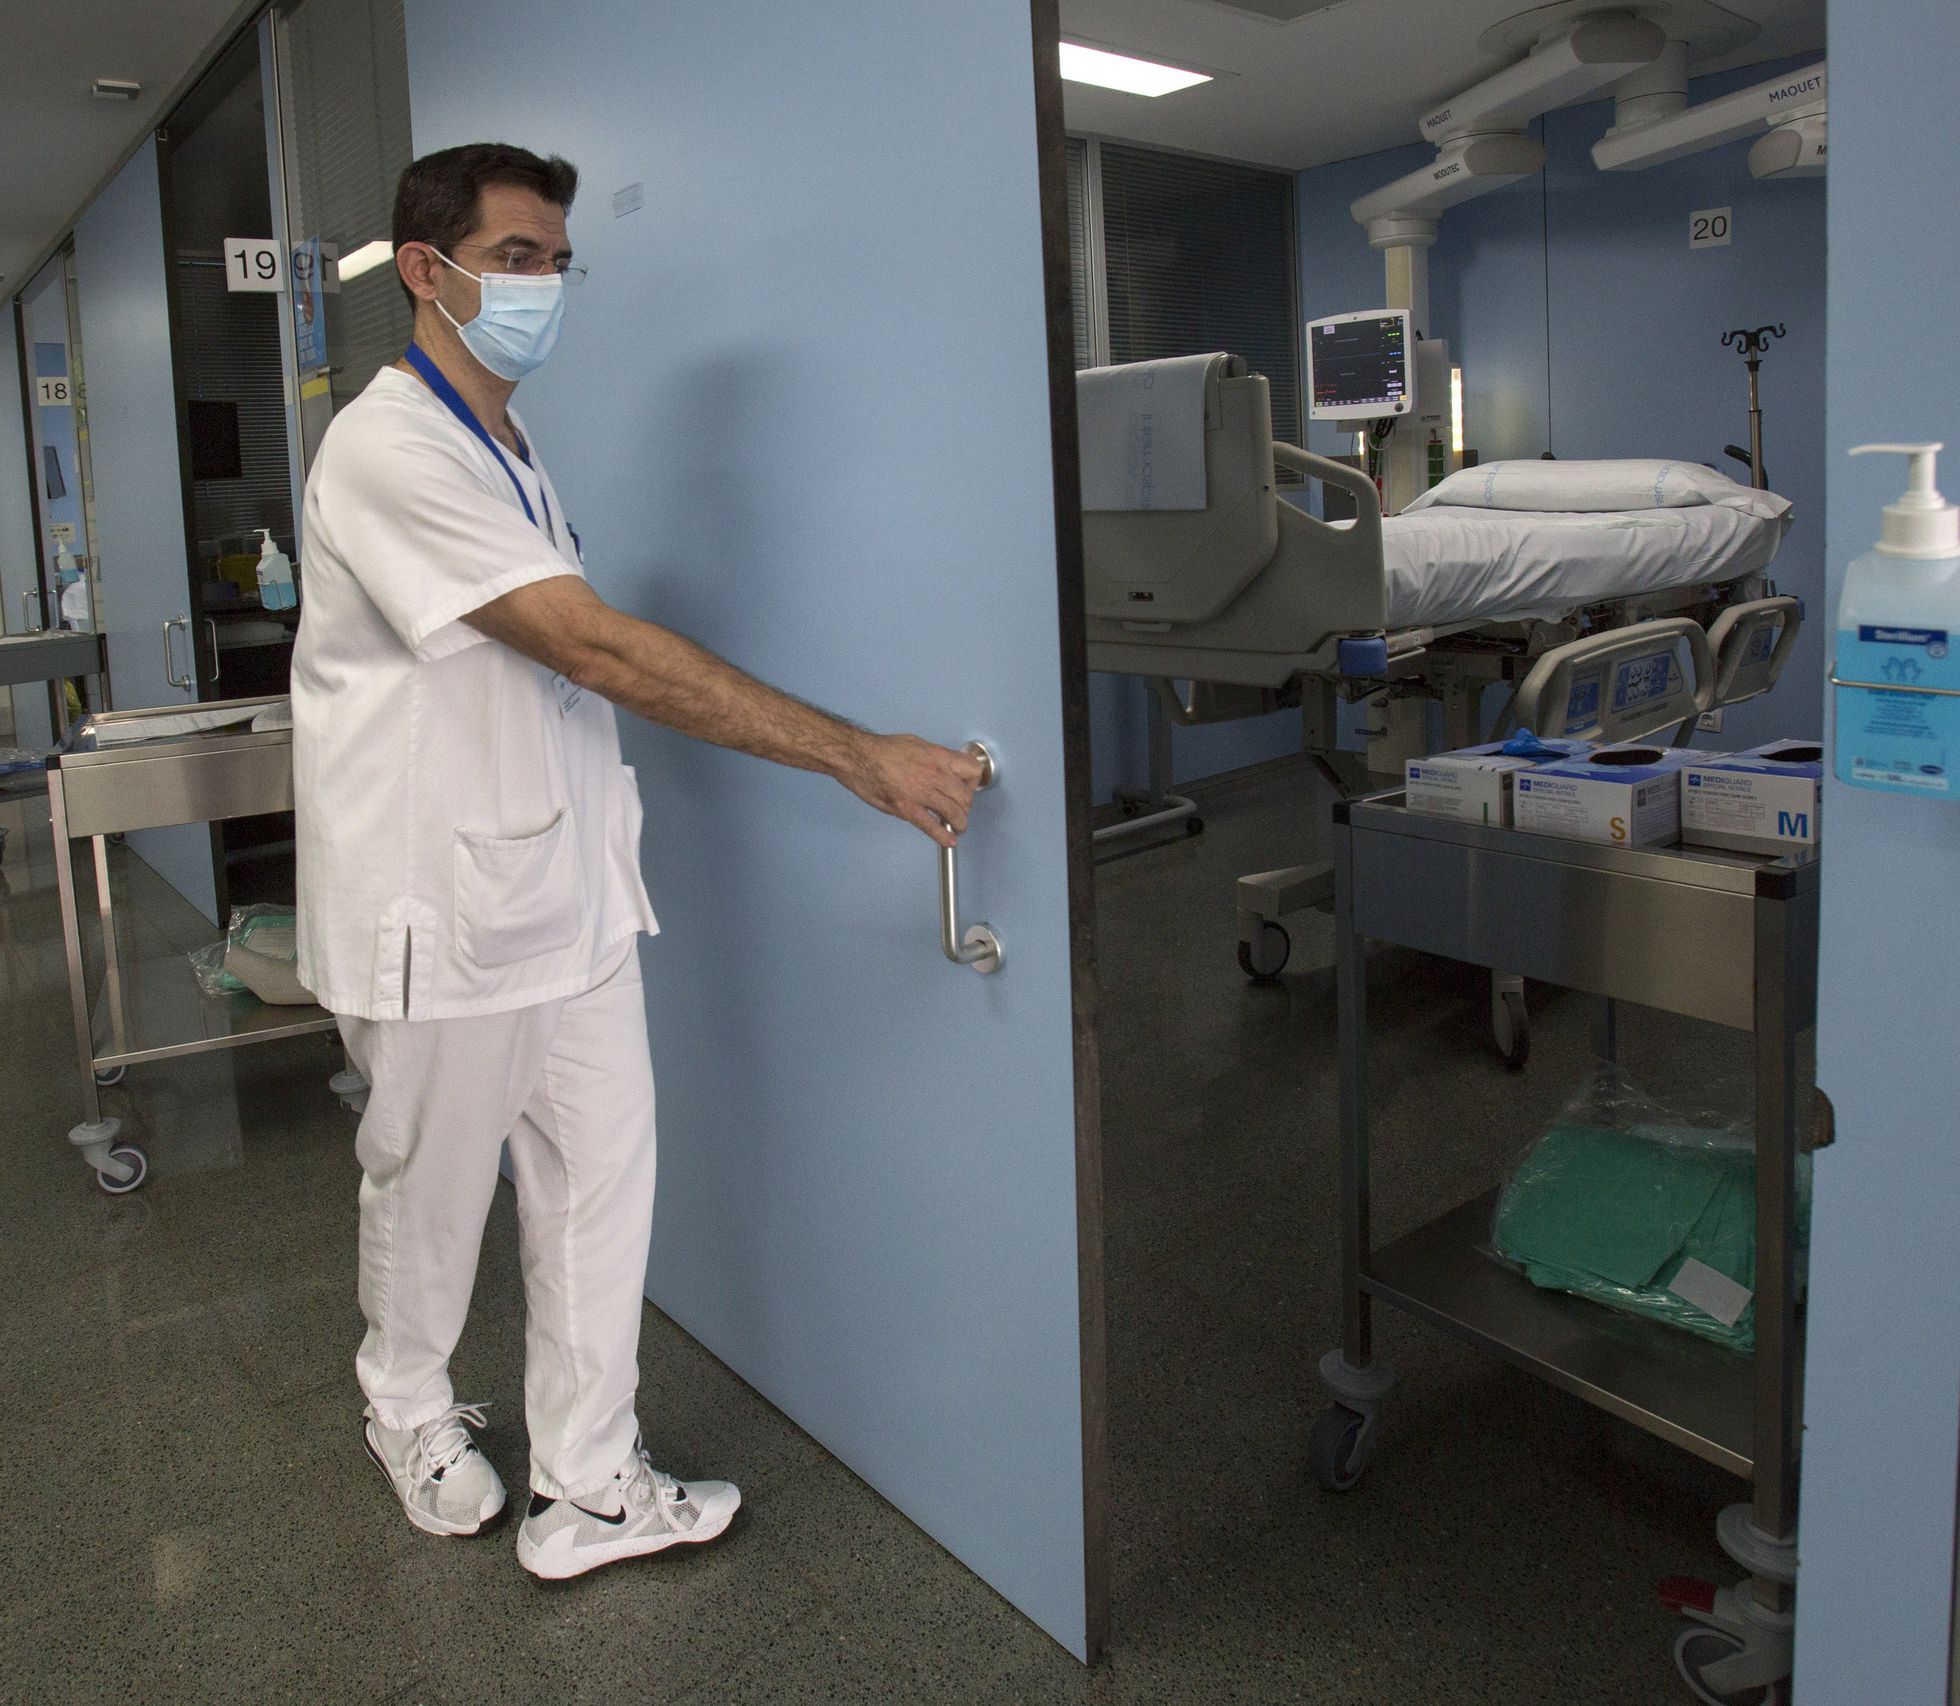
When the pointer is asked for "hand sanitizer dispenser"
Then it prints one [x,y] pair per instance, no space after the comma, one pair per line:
[1896,680]
[276,590]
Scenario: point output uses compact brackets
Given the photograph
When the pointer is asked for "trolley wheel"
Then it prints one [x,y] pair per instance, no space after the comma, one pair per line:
[1194,825]
[1336,1452]
[1512,1028]
[115,1075]
[130,1157]
[1696,1648]
[1264,963]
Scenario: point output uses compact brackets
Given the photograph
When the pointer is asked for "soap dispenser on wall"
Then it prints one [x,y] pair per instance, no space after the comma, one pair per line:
[1896,679]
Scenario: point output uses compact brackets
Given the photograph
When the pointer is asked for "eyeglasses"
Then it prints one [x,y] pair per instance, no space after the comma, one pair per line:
[530,262]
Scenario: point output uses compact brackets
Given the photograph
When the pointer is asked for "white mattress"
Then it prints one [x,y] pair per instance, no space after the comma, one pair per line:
[1448,564]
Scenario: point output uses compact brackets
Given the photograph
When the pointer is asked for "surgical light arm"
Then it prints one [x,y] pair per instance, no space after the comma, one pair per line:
[1763,107]
[1479,134]
[1595,51]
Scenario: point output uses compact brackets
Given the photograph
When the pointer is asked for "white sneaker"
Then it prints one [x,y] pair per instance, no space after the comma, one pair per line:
[444,1483]
[641,1511]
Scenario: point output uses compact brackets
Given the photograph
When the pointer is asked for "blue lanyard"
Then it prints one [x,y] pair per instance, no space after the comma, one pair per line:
[438,382]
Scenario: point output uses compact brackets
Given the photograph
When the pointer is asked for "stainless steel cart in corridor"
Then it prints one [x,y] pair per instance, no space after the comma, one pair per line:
[117,772]
[1726,938]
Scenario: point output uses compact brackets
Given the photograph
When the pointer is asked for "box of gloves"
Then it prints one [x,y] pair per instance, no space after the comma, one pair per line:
[1474,784]
[1629,796]
[1764,800]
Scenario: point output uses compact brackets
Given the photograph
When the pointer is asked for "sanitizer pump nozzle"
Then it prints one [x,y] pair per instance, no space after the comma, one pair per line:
[1896,673]
[1922,523]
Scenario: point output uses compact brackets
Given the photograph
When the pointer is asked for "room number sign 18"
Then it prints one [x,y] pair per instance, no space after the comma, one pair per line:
[254,263]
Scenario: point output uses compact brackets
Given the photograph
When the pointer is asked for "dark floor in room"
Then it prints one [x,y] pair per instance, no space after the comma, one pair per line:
[191,1518]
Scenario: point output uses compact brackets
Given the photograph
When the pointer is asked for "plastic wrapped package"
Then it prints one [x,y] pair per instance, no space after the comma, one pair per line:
[259,953]
[1645,1209]
[16,760]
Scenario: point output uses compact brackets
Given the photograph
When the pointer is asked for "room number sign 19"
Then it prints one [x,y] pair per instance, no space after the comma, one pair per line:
[254,263]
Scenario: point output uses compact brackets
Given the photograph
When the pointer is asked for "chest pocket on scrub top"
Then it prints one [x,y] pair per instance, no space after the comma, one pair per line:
[518,896]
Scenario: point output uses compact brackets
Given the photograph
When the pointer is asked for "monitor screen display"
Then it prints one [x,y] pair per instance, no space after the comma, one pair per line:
[1359,366]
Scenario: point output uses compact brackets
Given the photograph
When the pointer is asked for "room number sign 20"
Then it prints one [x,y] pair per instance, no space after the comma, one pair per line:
[1708,228]
[254,263]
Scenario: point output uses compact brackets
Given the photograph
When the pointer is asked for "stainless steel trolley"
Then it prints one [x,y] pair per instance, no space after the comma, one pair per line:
[1613,922]
[50,655]
[108,778]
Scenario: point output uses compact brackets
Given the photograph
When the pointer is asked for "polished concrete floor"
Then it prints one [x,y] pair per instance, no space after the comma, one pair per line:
[191,1518]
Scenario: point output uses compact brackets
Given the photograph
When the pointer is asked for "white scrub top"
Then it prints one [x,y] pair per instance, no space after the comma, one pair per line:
[468,838]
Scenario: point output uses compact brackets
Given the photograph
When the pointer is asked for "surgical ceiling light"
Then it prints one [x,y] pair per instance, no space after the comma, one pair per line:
[1119,71]
[365,259]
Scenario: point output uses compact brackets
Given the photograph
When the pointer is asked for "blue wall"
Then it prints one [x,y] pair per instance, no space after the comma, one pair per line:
[1881,1411]
[1586,326]
[868,1190]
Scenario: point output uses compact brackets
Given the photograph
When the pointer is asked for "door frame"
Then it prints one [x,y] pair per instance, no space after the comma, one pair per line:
[1071,593]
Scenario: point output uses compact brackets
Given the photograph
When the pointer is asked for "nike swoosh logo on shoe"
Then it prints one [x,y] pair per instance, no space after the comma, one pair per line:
[614,1520]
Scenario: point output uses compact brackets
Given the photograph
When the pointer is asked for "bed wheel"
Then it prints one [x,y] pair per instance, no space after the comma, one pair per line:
[1511,1026]
[1264,956]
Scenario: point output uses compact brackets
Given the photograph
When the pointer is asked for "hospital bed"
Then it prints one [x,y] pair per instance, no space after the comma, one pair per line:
[1607,625]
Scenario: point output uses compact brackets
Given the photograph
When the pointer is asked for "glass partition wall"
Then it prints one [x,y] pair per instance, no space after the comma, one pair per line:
[277,168]
[62,588]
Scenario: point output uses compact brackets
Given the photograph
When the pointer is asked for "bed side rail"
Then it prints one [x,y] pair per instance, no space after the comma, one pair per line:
[1332,574]
[1751,643]
[1621,685]
[1367,500]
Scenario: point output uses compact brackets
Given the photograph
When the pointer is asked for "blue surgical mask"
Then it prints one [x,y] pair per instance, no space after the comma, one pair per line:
[517,322]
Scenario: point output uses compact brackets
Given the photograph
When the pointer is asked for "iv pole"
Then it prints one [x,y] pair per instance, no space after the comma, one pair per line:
[1751,346]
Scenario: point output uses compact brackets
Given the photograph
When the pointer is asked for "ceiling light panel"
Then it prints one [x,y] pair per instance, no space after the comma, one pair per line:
[1120,71]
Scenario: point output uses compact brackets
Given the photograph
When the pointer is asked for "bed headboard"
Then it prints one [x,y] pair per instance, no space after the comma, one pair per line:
[1180,566]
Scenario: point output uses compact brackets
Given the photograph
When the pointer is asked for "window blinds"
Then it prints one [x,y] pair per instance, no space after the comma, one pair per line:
[1198,255]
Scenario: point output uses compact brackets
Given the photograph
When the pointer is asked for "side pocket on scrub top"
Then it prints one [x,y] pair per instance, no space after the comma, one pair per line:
[518,896]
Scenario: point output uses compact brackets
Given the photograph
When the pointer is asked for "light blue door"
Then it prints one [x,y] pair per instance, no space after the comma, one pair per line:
[801,413]
[139,493]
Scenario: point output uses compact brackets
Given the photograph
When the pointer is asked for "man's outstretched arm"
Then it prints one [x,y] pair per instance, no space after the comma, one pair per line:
[666,678]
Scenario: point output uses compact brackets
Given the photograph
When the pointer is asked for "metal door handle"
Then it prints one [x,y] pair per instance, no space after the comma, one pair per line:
[979,947]
[169,669]
[211,628]
[27,623]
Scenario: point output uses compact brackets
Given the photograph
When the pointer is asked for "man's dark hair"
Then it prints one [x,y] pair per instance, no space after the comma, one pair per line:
[436,199]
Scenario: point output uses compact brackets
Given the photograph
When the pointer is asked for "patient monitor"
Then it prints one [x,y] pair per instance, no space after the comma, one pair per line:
[1361,367]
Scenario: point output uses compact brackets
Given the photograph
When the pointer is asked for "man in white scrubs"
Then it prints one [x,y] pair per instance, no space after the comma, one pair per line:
[469,876]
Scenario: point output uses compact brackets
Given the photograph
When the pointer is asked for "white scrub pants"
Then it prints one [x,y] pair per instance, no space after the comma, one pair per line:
[570,1085]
